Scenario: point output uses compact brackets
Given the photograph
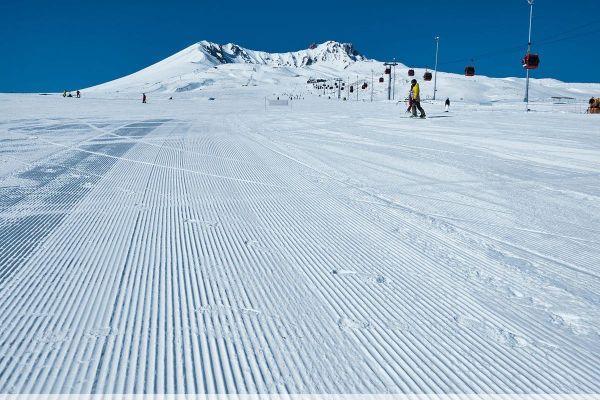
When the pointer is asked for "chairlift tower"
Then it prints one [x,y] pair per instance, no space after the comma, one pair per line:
[437,48]
[390,65]
[339,81]
[348,89]
[528,52]
[372,78]
[394,82]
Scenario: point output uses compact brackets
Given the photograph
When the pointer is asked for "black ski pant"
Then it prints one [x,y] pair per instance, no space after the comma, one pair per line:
[417,105]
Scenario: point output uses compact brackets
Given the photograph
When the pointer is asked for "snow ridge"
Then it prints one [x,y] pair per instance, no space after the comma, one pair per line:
[328,52]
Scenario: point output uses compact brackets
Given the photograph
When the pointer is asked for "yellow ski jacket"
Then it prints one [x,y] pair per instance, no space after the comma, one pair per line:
[415,92]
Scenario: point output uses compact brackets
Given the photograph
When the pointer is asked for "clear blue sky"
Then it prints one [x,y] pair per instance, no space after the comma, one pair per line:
[48,45]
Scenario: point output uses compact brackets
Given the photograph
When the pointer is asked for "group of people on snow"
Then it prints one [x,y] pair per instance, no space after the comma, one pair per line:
[69,94]
[414,100]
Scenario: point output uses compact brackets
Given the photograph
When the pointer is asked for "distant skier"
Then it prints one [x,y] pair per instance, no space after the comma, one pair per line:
[447,104]
[78,94]
[64,93]
[144,98]
[415,97]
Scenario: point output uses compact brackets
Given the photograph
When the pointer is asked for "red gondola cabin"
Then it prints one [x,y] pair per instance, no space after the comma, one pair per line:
[388,71]
[381,80]
[470,70]
[531,61]
[411,72]
[428,76]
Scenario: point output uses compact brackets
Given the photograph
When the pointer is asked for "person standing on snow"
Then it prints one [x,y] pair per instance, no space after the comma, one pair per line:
[447,104]
[409,109]
[144,98]
[78,94]
[415,96]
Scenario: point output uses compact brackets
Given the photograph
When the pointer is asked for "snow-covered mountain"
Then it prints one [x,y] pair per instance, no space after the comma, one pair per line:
[192,67]
[209,67]
[334,53]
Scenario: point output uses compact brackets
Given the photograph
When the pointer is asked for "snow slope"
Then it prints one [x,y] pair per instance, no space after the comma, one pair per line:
[190,246]
[205,65]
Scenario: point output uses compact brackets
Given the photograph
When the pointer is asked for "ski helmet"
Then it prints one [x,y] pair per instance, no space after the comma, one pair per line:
[413,81]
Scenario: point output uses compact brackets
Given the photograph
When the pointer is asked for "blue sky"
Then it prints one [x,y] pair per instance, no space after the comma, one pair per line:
[51,45]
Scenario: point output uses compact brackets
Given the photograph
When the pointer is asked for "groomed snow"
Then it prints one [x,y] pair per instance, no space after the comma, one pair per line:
[196,246]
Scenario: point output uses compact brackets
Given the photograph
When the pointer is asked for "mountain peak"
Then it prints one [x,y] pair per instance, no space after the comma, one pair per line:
[330,52]
[334,46]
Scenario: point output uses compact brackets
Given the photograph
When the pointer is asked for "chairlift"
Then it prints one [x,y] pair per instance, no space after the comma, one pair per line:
[364,86]
[531,61]
[388,71]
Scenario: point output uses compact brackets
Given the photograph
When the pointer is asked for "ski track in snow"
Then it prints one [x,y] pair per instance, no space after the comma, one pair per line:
[334,248]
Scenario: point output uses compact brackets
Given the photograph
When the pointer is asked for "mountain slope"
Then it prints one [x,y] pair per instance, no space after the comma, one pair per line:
[191,64]
[207,66]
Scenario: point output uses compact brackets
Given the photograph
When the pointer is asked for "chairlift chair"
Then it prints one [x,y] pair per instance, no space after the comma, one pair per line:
[531,61]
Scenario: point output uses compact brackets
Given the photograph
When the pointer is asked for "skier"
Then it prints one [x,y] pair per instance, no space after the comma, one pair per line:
[64,93]
[447,104]
[415,96]
[78,94]
[144,98]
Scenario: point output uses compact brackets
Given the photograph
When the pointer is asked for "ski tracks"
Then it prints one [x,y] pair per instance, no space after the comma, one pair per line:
[205,258]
